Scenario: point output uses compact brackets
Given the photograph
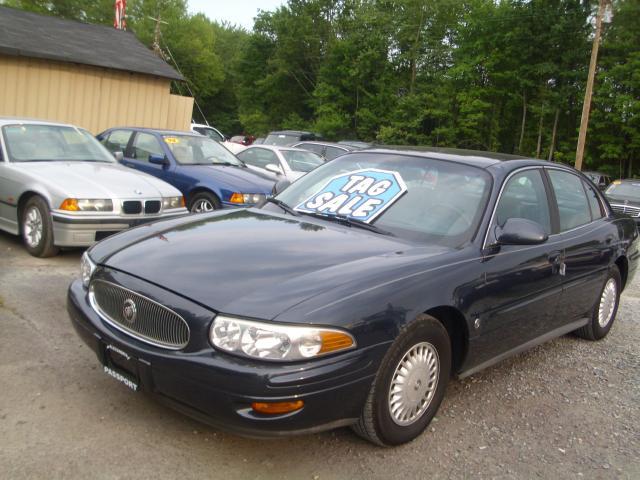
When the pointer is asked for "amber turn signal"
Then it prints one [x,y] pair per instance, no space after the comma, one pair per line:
[70,204]
[332,341]
[236,198]
[182,202]
[275,408]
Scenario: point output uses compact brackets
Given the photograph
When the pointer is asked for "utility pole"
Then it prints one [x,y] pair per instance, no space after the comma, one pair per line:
[586,106]
[156,36]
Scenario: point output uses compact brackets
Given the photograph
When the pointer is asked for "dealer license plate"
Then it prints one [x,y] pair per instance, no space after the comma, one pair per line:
[121,366]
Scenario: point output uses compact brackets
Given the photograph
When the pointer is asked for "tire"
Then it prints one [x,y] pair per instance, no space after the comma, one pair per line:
[377,423]
[36,228]
[605,309]
[203,202]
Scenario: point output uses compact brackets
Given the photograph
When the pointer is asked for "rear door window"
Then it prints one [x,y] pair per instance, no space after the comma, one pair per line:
[573,206]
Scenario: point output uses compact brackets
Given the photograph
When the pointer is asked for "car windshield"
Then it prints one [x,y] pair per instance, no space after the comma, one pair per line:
[195,150]
[443,202]
[626,189]
[302,161]
[209,132]
[52,143]
[281,139]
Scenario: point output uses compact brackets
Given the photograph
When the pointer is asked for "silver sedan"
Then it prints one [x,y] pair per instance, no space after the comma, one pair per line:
[59,187]
[281,162]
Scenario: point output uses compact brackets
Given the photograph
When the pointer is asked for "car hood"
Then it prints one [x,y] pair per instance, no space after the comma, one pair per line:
[624,200]
[249,262]
[97,180]
[234,178]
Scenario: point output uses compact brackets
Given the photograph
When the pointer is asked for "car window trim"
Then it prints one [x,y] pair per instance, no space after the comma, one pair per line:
[502,187]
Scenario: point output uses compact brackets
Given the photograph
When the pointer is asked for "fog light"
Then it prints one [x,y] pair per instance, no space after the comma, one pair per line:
[275,408]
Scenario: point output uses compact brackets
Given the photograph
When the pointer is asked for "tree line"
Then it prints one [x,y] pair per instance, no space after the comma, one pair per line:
[497,75]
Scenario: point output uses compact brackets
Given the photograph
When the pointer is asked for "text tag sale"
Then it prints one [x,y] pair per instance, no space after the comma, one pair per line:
[361,194]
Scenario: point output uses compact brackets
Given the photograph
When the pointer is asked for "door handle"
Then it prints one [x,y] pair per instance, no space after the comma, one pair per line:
[555,257]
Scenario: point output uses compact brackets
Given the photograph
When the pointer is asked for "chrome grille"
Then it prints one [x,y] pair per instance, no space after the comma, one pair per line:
[151,322]
[627,209]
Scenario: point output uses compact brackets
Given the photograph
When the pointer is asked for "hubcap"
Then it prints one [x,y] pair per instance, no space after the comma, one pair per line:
[32,227]
[414,383]
[607,303]
[202,206]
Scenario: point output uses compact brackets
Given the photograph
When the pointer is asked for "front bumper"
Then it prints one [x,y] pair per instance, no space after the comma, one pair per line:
[73,231]
[218,389]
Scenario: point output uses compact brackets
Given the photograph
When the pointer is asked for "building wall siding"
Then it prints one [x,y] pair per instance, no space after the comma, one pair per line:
[89,97]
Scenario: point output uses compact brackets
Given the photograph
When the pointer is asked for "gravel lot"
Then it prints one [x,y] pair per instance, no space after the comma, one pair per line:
[567,409]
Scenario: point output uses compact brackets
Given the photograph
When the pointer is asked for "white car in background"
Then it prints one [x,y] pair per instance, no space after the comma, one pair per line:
[59,187]
[215,134]
[282,162]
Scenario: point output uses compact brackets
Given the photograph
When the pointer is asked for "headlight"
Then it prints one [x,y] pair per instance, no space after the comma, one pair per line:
[87,205]
[87,267]
[269,341]
[172,202]
[247,198]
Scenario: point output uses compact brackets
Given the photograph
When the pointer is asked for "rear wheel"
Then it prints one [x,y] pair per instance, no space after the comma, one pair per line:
[204,202]
[36,227]
[409,386]
[605,310]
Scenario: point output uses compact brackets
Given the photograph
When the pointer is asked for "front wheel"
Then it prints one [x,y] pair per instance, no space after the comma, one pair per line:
[605,310]
[37,228]
[204,202]
[409,386]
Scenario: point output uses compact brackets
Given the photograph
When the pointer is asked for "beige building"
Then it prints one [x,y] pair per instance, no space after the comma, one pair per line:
[92,76]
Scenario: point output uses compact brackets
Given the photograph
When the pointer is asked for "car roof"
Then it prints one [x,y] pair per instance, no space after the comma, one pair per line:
[328,144]
[470,157]
[158,131]
[276,148]
[32,121]
[290,132]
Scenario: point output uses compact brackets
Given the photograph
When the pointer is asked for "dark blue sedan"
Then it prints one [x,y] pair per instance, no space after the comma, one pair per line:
[352,296]
[208,175]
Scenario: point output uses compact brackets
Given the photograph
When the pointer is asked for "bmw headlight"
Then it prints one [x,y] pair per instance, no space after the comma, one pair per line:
[172,202]
[87,205]
[268,341]
[87,267]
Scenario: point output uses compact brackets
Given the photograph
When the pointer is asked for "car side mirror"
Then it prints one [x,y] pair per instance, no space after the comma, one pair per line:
[119,156]
[273,168]
[280,186]
[159,160]
[520,231]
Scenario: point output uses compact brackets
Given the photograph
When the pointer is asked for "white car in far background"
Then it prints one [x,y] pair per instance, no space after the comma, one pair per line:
[282,162]
[215,134]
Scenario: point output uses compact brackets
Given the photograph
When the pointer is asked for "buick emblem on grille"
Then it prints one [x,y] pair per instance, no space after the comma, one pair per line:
[129,311]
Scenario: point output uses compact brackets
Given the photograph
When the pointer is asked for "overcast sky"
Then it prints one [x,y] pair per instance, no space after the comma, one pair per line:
[240,12]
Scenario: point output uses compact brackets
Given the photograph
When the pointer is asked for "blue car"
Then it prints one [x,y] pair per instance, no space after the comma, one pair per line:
[208,175]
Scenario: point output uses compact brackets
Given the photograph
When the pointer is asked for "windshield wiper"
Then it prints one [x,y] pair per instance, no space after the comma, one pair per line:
[350,222]
[283,206]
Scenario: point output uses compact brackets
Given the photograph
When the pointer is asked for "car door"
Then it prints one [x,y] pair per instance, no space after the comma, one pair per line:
[143,146]
[522,287]
[586,239]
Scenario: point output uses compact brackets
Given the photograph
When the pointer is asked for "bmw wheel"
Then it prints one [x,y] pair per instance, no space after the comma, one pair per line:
[605,310]
[409,386]
[204,202]
[36,227]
